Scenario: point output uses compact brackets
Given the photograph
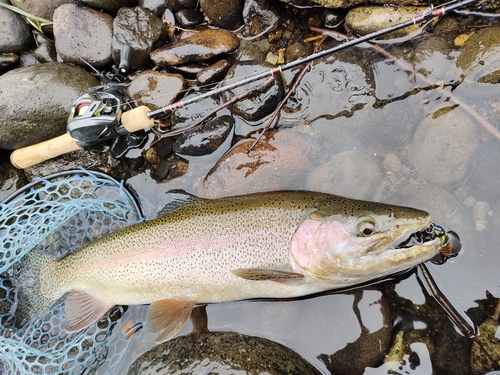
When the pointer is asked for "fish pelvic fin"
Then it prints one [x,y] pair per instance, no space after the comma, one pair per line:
[37,289]
[82,310]
[167,317]
[257,274]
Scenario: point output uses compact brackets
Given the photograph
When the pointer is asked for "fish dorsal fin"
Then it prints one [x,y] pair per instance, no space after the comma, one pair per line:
[266,274]
[177,198]
[168,316]
[83,310]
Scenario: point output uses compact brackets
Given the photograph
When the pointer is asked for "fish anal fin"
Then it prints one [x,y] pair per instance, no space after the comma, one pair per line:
[83,310]
[257,274]
[168,317]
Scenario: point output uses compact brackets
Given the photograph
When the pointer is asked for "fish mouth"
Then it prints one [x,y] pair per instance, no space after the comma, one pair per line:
[416,238]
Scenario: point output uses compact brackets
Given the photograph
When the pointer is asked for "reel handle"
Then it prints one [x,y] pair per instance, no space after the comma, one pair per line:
[132,120]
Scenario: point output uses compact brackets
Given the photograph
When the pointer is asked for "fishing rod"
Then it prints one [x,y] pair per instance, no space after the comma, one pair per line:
[102,113]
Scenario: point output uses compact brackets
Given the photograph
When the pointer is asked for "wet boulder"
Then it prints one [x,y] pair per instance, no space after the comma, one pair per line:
[15,33]
[221,352]
[226,14]
[83,35]
[201,46]
[443,145]
[155,89]
[141,30]
[258,104]
[42,8]
[206,139]
[35,102]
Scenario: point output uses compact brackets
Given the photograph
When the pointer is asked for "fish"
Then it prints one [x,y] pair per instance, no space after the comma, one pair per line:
[282,244]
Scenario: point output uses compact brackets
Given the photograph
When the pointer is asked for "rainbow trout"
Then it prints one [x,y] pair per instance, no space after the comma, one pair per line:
[271,245]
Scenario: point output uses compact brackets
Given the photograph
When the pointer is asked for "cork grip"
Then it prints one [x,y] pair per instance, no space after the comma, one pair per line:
[137,119]
[28,156]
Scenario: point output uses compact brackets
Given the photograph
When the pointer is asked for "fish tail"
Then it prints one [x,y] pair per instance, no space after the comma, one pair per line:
[37,289]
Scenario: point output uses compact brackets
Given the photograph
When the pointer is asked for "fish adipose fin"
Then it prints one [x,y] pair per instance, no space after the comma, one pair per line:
[83,310]
[168,317]
[265,274]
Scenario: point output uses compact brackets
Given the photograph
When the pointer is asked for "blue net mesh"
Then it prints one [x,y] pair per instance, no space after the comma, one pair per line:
[59,214]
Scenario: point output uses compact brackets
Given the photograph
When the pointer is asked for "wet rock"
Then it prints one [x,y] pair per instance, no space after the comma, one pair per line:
[46,50]
[140,29]
[42,8]
[206,139]
[35,102]
[485,354]
[203,45]
[83,35]
[164,147]
[484,178]
[7,60]
[480,56]
[158,7]
[189,18]
[480,215]
[155,89]
[364,20]
[226,14]
[213,73]
[276,162]
[260,17]
[488,5]
[371,316]
[11,179]
[350,173]
[190,4]
[297,50]
[221,352]
[108,5]
[257,105]
[168,20]
[15,33]
[333,19]
[431,58]
[443,145]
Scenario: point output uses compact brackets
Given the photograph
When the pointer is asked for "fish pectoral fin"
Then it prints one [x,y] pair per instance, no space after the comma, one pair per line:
[266,274]
[168,316]
[83,310]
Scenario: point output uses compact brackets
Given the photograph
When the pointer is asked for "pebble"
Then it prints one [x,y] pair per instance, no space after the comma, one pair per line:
[226,14]
[443,145]
[189,18]
[350,173]
[35,102]
[140,29]
[201,46]
[480,215]
[155,89]
[15,32]
[206,139]
[46,50]
[213,73]
[257,105]
[276,162]
[83,35]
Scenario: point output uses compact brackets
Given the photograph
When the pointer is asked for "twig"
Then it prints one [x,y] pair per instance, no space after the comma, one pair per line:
[405,66]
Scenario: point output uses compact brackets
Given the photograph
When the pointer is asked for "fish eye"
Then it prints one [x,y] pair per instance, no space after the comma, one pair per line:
[366,226]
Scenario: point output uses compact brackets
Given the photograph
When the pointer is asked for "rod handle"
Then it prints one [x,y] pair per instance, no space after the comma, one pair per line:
[137,119]
[28,156]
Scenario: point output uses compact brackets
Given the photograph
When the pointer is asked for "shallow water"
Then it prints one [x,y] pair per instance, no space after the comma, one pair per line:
[376,111]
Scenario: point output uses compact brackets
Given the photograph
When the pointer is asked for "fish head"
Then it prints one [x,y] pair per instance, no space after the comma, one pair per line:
[345,241]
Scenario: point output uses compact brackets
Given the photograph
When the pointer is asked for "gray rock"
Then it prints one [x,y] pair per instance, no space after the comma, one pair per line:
[15,33]
[205,140]
[35,102]
[108,5]
[226,14]
[201,46]
[140,29]
[83,35]
[43,8]
[155,89]
[159,6]
[480,56]
[46,50]
[260,17]
[258,105]
[350,173]
[443,145]
[277,162]
[222,353]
